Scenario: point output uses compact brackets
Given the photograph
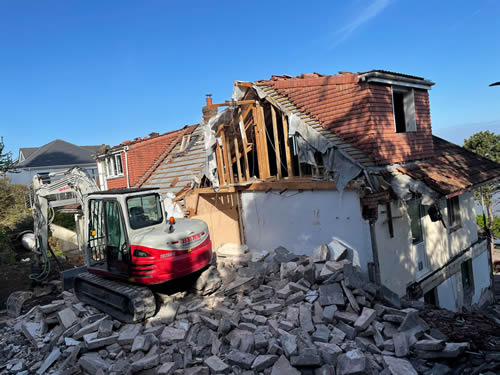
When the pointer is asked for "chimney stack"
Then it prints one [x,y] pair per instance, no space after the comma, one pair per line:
[208,111]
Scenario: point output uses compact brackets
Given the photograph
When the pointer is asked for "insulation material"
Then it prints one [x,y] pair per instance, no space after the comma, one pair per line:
[309,140]
[209,129]
[238,91]
[172,208]
[404,187]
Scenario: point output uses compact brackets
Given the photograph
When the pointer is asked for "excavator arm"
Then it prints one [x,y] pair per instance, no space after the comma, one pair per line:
[46,188]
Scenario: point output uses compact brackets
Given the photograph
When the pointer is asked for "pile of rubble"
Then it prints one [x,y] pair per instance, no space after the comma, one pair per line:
[255,312]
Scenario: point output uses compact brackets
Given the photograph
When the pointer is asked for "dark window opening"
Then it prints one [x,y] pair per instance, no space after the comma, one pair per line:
[431,297]
[403,104]
[467,276]
[399,111]
[454,213]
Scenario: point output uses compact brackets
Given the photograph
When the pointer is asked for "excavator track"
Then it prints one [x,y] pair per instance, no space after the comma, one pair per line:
[125,302]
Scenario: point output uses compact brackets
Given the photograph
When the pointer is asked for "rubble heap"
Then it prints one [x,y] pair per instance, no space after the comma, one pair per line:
[255,312]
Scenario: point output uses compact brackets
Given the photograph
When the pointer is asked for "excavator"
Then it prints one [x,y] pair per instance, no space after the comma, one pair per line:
[127,240]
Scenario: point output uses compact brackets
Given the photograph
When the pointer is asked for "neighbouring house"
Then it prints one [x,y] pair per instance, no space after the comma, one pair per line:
[297,161]
[55,156]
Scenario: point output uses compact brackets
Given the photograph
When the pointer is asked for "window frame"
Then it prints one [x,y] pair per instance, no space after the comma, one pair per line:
[111,163]
[410,115]
[454,213]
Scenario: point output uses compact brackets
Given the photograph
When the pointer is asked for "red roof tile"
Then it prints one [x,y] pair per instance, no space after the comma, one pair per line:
[453,169]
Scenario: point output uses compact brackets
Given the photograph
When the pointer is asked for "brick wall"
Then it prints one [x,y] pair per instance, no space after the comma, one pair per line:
[362,114]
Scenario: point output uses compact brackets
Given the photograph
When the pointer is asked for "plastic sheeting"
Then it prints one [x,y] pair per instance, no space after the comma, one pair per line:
[210,139]
[172,208]
[309,141]
[404,187]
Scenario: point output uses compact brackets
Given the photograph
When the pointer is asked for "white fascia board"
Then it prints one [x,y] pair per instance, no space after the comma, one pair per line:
[398,83]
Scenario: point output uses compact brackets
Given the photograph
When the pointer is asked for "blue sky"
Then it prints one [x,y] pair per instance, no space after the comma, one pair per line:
[93,72]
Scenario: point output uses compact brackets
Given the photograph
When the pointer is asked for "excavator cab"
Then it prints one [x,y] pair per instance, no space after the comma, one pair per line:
[130,237]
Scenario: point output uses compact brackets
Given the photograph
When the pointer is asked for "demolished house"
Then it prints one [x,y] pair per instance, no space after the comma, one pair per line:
[348,160]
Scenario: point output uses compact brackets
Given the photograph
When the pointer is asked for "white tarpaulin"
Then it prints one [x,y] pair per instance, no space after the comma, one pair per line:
[404,187]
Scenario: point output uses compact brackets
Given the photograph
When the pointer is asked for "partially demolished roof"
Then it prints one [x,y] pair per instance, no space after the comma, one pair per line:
[180,166]
[453,170]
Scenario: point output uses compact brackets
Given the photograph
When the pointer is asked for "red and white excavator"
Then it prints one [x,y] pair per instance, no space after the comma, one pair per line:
[126,239]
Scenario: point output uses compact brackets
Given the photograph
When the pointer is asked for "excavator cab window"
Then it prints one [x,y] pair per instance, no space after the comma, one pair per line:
[97,238]
[144,211]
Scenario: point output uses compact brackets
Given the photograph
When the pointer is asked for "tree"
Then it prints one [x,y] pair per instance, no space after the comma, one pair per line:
[486,144]
[6,163]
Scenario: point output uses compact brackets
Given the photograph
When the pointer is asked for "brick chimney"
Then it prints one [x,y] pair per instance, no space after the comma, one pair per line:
[208,112]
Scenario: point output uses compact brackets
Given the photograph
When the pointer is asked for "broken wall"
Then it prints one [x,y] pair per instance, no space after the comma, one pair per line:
[220,212]
[303,220]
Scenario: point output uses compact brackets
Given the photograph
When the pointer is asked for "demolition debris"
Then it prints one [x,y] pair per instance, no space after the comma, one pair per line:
[255,312]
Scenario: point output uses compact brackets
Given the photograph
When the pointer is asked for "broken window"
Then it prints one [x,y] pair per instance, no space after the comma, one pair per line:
[454,219]
[403,105]
[114,166]
[467,276]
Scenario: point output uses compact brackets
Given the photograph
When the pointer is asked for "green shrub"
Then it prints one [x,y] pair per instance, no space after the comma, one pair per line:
[496,224]
[65,220]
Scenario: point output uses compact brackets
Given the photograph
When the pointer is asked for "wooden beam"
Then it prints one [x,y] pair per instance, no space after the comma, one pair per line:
[227,158]
[291,185]
[245,146]
[237,152]
[262,142]
[276,142]
[287,146]
[245,114]
[245,84]
[209,190]
[220,164]
[229,102]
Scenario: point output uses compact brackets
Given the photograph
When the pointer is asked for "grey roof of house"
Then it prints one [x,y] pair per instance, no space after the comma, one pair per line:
[27,151]
[178,169]
[58,152]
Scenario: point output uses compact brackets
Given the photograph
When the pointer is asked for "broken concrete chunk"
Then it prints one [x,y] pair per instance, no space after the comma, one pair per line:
[216,365]
[166,368]
[53,357]
[431,345]
[149,361]
[337,250]
[93,363]
[105,328]
[89,327]
[329,352]
[398,366]
[264,361]
[243,360]
[170,334]
[305,319]
[350,297]
[331,294]
[93,341]
[320,254]
[289,344]
[451,350]
[67,317]
[352,362]
[322,334]
[283,367]
[400,344]
[365,319]
[307,357]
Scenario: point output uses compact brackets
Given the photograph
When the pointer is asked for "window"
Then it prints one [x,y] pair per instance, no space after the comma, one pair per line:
[185,142]
[467,277]
[431,297]
[144,211]
[403,106]
[114,165]
[454,213]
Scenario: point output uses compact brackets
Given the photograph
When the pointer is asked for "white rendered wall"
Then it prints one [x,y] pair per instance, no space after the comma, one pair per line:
[397,257]
[300,221]
[481,274]
[447,293]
